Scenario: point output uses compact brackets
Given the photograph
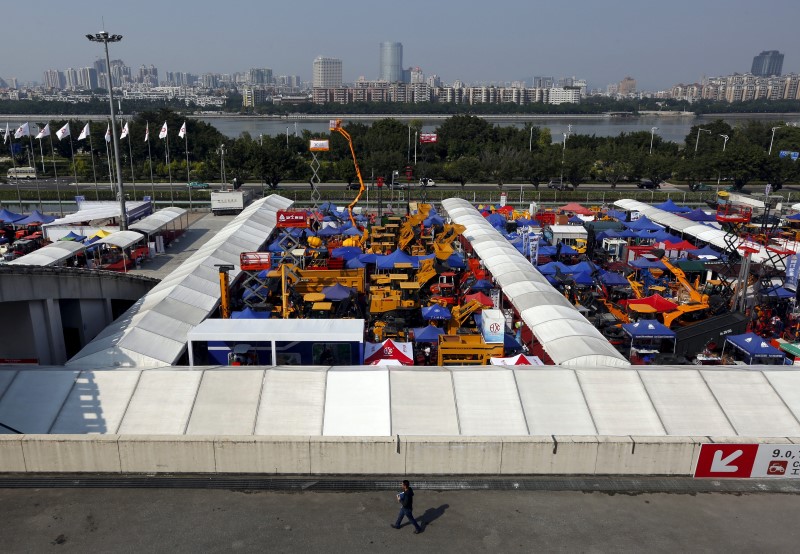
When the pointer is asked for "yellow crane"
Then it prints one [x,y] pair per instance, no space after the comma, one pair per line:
[336,127]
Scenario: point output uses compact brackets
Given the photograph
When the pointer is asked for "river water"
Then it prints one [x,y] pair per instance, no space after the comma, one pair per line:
[671,128]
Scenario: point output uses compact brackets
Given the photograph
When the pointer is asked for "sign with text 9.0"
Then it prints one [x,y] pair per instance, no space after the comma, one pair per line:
[748,461]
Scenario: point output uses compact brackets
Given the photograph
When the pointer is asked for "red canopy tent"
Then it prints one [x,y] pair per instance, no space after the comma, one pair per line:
[375,352]
[575,208]
[682,245]
[480,297]
[519,359]
[655,301]
[507,209]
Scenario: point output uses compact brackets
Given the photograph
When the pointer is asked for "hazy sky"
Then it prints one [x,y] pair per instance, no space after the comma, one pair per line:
[657,43]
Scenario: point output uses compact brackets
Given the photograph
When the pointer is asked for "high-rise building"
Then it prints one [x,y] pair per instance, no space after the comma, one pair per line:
[543,82]
[87,77]
[391,68]
[767,64]
[327,72]
[627,86]
[260,76]
[71,75]
[53,79]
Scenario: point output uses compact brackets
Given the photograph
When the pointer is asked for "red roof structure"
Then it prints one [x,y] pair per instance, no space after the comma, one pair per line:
[575,208]
[655,301]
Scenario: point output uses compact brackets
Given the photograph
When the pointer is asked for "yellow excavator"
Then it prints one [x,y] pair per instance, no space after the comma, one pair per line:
[443,242]
[411,222]
[460,314]
[698,302]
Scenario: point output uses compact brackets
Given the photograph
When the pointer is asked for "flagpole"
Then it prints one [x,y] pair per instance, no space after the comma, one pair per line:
[150,163]
[169,170]
[14,163]
[94,173]
[33,153]
[55,173]
[186,146]
[74,169]
[130,153]
[41,151]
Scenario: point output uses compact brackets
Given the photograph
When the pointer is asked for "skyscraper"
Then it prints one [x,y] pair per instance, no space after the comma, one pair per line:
[767,64]
[391,69]
[327,73]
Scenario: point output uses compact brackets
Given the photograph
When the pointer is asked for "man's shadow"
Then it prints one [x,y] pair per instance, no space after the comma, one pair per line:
[432,514]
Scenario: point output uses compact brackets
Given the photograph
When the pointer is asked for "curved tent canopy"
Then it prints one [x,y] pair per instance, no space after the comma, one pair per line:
[52,254]
[158,220]
[566,336]
[122,239]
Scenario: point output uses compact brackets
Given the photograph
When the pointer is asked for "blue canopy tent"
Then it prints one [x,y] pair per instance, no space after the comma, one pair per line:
[73,236]
[612,279]
[522,222]
[550,268]
[337,292]
[575,220]
[10,217]
[754,349]
[644,224]
[354,263]
[346,252]
[663,236]
[778,292]
[368,258]
[647,338]
[481,284]
[672,207]
[644,263]
[627,234]
[427,334]
[274,246]
[432,220]
[35,217]
[584,278]
[496,220]
[699,215]
[436,312]
[398,256]
[250,313]
[328,207]
[329,232]
[582,267]
[794,217]
[455,261]
[351,232]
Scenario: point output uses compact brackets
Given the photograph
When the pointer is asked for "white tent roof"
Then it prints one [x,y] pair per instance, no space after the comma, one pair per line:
[261,330]
[759,401]
[153,332]
[121,239]
[158,220]
[94,211]
[50,254]
[567,336]
[712,235]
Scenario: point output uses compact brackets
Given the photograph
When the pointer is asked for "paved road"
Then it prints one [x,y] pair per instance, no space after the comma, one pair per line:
[104,520]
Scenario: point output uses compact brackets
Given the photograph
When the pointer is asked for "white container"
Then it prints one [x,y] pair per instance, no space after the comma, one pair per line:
[493,325]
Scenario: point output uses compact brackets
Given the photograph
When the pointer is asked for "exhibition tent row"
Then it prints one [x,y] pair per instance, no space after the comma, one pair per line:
[565,334]
[492,401]
[153,332]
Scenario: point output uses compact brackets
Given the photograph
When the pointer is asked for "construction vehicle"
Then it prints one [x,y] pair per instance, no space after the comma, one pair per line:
[224,291]
[336,126]
[466,350]
[410,229]
[460,315]
[443,242]
[690,301]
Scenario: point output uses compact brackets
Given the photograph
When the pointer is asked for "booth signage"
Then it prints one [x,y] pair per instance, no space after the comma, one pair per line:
[748,461]
[287,218]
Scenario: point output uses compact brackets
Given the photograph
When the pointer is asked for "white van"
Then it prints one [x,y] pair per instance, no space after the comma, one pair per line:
[21,173]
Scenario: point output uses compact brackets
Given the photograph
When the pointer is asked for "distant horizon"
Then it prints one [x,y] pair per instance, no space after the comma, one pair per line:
[514,41]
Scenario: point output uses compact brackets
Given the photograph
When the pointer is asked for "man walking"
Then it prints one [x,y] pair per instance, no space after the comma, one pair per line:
[406,500]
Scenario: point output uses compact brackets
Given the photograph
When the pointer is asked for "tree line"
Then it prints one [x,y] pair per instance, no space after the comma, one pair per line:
[468,150]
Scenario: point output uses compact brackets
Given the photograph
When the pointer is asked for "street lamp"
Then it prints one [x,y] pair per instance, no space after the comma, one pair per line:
[697,142]
[652,134]
[772,140]
[563,151]
[105,38]
[724,144]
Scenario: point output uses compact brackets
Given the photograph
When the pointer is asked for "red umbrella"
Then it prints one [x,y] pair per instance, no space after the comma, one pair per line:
[403,352]
[480,297]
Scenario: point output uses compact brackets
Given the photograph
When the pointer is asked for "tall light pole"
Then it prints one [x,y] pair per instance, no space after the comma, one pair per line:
[697,142]
[652,134]
[563,151]
[772,140]
[105,38]
[724,144]
[530,141]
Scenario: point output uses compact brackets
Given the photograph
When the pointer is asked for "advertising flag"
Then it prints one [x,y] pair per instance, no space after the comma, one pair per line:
[63,132]
[124,131]
[84,133]
[163,132]
[427,138]
[182,132]
[44,132]
[317,145]
[23,131]
[5,136]
[108,133]
[147,132]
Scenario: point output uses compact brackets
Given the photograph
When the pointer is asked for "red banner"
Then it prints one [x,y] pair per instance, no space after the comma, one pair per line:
[427,138]
[286,218]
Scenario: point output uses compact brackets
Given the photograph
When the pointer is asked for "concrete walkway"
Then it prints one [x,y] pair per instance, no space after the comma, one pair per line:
[202,226]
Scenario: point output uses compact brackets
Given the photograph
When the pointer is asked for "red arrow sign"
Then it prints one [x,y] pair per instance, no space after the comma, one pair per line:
[726,460]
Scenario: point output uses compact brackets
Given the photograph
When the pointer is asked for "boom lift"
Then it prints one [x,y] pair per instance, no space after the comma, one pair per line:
[336,126]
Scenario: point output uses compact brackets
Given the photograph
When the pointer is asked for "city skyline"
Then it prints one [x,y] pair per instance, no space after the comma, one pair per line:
[602,44]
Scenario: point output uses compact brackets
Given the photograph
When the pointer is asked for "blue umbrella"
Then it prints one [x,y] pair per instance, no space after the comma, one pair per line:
[346,252]
[329,232]
[435,312]
[482,284]
[337,292]
[455,261]
[10,217]
[496,220]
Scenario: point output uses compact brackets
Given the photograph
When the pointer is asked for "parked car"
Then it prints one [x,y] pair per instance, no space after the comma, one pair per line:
[426,182]
[696,187]
[648,184]
[197,185]
[558,185]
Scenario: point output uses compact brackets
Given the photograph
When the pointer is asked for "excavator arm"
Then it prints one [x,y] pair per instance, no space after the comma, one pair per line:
[336,126]
[695,296]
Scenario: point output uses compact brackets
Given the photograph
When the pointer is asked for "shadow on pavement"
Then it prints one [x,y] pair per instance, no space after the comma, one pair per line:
[432,514]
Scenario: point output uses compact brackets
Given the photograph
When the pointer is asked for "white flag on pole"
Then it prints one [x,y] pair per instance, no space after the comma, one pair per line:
[84,133]
[23,131]
[43,132]
[163,132]
[63,132]
[108,133]
[5,136]
[124,131]
[147,132]
[182,132]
